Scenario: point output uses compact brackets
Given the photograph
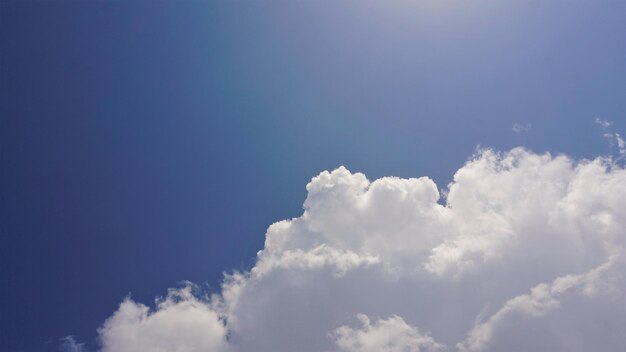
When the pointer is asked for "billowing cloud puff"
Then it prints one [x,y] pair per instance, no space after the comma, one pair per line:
[391,335]
[181,322]
[524,253]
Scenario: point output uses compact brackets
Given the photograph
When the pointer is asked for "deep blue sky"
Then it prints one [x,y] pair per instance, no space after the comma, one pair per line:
[147,143]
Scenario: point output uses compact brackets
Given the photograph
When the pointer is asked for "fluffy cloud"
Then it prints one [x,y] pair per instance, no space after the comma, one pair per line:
[389,335]
[541,300]
[181,322]
[525,252]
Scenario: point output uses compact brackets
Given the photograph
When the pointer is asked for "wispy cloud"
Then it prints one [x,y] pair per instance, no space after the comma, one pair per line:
[603,123]
[521,128]
[69,344]
[615,139]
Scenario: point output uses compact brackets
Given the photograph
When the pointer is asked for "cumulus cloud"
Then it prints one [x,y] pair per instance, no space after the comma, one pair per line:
[525,252]
[386,335]
[181,322]
[542,299]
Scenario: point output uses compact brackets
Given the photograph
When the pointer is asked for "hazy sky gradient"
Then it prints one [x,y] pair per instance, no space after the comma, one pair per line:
[146,143]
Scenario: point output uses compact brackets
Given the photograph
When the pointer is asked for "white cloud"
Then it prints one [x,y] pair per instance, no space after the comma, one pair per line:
[619,142]
[603,123]
[386,335]
[317,257]
[520,128]
[69,344]
[614,138]
[541,300]
[522,237]
[181,322]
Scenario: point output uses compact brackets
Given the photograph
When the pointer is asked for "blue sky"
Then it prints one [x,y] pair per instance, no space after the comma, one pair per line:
[146,143]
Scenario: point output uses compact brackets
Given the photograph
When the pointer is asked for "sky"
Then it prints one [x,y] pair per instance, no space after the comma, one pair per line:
[148,145]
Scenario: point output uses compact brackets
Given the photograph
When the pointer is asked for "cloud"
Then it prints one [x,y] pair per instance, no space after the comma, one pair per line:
[614,138]
[181,322]
[541,300]
[520,128]
[386,335]
[621,145]
[69,344]
[526,252]
[603,123]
